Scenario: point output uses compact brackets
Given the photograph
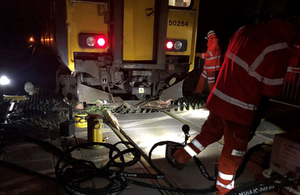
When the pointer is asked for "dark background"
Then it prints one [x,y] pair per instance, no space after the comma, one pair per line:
[21,60]
[20,19]
[225,17]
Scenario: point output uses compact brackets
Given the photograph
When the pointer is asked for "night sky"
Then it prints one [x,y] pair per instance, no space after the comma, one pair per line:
[21,60]
[20,19]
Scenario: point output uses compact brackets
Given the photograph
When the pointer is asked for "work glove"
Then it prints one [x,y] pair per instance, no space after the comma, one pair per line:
[180,158]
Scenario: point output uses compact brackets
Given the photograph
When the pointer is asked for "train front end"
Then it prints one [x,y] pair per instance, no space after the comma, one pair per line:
[123,47]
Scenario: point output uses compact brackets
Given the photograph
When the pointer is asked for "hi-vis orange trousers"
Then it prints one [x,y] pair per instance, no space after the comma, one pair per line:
[210,77]
[236,138]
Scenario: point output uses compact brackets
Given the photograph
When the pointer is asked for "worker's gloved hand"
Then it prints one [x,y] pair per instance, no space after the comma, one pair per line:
[180,158]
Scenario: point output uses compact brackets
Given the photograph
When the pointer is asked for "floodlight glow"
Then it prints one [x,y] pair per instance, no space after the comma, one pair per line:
[31,39]
[4,80]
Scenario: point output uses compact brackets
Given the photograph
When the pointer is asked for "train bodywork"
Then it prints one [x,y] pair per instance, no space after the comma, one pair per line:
[138,47]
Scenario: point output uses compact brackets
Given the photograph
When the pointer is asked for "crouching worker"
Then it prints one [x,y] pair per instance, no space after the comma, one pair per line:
[254,66]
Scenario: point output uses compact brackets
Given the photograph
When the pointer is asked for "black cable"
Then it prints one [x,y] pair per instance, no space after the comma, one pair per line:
[24,170]
[211,189]
[197,161]
[203,170]
[174,189]
[253,188]
[71,172]
[247,157]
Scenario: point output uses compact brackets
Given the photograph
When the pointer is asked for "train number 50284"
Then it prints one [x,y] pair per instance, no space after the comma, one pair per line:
[178,23]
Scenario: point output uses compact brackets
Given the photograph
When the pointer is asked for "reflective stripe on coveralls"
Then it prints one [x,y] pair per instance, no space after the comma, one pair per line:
[190,150]
[210,76]
[233,150]
[254,66]
[238,153]
[229,186]
[212,58]
[251,70]
[254,74]
[226,182]
[234,101]
[211,67]
[212,63]
[204,74]
[198,145]
[209,79]
[225,176]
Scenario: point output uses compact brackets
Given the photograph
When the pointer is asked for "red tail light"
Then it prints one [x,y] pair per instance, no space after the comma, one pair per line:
[87,40]
[177,45]
[169,45]
[101,42]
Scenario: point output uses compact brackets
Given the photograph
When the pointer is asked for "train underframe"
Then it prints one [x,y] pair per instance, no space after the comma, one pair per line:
[101,79]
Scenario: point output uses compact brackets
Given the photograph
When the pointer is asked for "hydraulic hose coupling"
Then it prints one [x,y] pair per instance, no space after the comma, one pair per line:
[186,129]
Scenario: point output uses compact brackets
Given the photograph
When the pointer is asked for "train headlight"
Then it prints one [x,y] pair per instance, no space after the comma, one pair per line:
[92,41]
[177,45]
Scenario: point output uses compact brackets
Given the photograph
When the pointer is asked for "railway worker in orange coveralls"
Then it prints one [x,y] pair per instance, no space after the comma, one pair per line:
[254,66]
[212,63]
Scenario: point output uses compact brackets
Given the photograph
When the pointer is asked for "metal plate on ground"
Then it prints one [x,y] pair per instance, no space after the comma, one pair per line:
[147,129]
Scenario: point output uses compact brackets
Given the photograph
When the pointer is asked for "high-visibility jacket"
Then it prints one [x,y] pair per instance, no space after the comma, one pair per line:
[212,55]
[255,64]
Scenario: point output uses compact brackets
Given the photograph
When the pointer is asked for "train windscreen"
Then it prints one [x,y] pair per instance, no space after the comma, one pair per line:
[180,3]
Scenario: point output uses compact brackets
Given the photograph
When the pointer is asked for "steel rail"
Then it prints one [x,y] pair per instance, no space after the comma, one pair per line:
[144,160]
[183,120]
[189,123]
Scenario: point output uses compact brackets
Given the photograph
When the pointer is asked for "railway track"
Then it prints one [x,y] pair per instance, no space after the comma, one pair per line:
[181,106]
[45,110]
[141,128]
[42,113]
[144,160]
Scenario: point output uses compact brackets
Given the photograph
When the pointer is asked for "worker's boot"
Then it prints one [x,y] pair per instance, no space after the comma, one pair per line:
[180,158]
